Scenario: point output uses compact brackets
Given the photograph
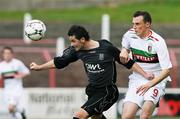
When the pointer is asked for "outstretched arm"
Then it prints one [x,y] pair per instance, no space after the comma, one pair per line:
[47,65]
[69,55]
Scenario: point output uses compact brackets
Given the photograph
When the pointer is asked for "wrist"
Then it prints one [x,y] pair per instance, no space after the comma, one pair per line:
[39,67]
[152,83]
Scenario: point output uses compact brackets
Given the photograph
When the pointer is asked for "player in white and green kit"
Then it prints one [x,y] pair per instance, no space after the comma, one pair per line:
[12,71]
[149,50]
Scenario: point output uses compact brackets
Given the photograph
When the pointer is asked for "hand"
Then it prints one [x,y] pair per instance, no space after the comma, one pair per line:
[124,56]
[149,76]
[17,76]
[144,88]
[34,66]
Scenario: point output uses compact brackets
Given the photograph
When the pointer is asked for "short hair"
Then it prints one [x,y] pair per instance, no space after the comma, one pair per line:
[7,48]
[78,32]
[145,14]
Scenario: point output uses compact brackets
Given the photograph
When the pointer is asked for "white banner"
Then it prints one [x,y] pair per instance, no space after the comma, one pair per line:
[53,103]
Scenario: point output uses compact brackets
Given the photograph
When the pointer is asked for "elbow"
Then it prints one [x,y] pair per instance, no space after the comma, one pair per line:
[169,71]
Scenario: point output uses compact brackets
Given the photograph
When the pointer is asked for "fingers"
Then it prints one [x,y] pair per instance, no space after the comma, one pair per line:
[142,90]
[124,56]
[150,76]
[32,65]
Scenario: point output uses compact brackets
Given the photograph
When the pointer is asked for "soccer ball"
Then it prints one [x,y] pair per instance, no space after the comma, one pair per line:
[35,30]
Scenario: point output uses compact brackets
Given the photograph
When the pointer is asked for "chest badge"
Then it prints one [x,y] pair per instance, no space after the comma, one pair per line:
[101,56]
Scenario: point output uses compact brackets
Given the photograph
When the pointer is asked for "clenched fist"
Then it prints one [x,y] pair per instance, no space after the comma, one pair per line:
[34,66]
[124,56]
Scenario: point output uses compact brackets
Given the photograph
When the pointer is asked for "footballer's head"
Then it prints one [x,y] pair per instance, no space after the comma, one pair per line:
[7,53]
[141,22]
[78,35]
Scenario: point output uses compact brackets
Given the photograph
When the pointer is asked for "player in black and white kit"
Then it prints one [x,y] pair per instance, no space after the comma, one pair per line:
[99,62]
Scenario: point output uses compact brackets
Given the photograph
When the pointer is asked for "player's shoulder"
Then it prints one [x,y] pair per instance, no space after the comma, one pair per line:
[1,62]
[69,50]
[105,42]
[129,33]
[155,37]
[17,61]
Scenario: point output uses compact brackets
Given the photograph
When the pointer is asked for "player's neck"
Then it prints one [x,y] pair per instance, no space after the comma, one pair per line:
[7,61]
[91,44]
[146,34]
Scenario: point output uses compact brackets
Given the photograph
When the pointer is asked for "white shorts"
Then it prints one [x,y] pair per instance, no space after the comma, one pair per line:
[12,98]
[153,94]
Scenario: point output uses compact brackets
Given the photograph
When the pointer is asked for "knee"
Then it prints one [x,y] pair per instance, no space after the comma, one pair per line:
[145,115]
[101,116]
[80,115]
[127,116]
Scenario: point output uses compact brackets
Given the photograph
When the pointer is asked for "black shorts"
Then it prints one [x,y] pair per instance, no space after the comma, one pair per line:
[100,99]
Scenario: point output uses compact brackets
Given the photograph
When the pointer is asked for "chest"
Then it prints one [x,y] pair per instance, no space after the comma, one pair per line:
[140,46]
[8,67]
[96,56]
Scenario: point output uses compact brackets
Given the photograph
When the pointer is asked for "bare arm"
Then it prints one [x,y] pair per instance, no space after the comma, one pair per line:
[164,73]
[47,65]
[138,69]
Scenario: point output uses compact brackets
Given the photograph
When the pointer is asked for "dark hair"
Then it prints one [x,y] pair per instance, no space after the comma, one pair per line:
[146,16]
[78,32]
[8,48]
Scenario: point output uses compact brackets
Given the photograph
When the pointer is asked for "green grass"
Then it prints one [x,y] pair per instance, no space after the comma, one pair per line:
[163,11]
[166,118]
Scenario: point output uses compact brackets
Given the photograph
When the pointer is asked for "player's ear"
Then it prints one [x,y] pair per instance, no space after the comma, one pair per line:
[82,40]
[148,24]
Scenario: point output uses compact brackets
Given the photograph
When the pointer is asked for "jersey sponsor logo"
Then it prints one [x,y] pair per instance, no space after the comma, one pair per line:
[143,56]
[8,74]
[93,68]
[145,59]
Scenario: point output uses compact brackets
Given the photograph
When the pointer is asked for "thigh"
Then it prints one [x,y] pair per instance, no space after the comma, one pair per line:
[154,94]
[132,96]
[101,100]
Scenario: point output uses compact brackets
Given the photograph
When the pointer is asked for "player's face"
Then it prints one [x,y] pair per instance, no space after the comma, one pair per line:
[78,44]
[7,55]
[140,26]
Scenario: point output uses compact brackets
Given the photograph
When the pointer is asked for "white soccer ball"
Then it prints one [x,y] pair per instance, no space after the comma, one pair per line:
[35,30]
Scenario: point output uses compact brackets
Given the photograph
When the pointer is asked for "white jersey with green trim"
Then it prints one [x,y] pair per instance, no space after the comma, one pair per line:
[150,53]
[8,70]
